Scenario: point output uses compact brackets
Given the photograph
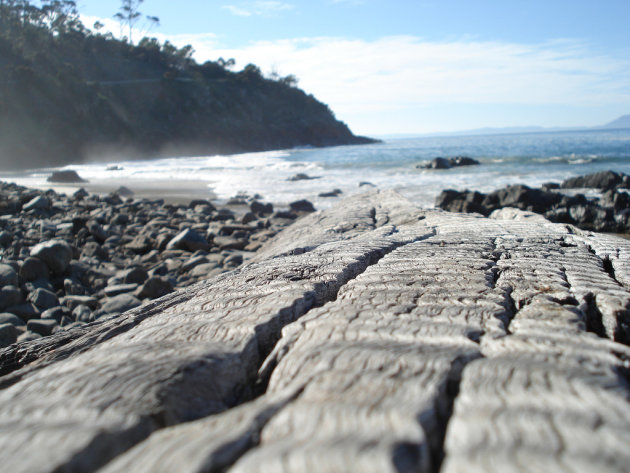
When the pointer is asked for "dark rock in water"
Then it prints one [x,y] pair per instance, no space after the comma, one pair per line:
[302,177]
[8,276]
[43,299]
[261,209]
[610,213]
[188,240]
[302,206]
[55,253]
[154,287]
[7,318]
[66,177]
[38,203]
[8,335]
[603,180]
[43,326]
[114,167]
[121,303]
[33,269]
[333,193]
[447,163]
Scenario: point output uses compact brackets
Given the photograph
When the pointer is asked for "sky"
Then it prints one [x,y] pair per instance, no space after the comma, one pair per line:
[414,66]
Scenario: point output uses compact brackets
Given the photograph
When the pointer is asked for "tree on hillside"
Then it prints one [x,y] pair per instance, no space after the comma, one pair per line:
[129,15]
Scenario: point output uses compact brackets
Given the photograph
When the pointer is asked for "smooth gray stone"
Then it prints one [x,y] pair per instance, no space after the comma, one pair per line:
[55,253]
[121,303]
[43,299]
[7,318]
[42,326]
[117,289]
[8,334]
[188,240]
[8,276]
[38,203]
[10,296]
[33,269]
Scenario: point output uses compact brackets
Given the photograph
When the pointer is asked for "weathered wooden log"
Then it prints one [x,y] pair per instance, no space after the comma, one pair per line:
[373,336]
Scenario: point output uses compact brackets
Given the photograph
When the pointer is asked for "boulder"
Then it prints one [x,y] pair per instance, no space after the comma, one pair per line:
[55,253]
[33,269]
[8,335]
[7,318]
[8,276]
[603,180]
[38,203]
[117,289]
[447,163]
[302,206]
[135,275]
[10,296]
[154,287]
[43,299]
[302,177]
[43,327]
[26,311]
[140,244]
[120,303]
[259,208]
[188,240]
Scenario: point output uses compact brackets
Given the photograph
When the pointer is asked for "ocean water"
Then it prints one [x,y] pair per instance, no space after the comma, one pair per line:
[528,158]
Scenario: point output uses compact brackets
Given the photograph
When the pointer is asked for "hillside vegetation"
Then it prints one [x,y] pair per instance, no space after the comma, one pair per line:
[68,93]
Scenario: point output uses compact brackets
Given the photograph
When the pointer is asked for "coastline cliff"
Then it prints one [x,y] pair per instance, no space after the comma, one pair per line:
[68,94]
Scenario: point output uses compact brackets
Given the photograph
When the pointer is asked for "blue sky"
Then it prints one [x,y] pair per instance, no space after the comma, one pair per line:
[392,66]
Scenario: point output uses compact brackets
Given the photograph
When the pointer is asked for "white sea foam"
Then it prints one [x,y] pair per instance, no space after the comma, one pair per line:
[529,159]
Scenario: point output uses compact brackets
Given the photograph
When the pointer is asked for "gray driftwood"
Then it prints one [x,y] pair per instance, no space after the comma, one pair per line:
[373,336]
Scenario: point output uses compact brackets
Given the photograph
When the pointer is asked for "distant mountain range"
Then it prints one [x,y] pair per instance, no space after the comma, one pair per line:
[619,123]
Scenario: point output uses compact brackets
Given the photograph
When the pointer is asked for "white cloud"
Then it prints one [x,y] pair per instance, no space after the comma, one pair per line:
[259,8]
[363,81]
[356,77]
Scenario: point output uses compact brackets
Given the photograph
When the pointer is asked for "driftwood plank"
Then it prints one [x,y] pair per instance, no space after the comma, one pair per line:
[369,337]
[192,359]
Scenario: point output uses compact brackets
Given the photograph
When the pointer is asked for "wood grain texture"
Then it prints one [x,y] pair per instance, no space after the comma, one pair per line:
[373,336]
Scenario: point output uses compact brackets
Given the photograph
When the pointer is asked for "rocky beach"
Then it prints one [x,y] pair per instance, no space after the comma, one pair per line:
[67,260]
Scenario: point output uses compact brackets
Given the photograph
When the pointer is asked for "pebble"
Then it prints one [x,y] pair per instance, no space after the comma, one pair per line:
[68,260]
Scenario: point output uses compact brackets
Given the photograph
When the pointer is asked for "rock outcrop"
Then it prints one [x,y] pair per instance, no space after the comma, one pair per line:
[609,212]
[371,337]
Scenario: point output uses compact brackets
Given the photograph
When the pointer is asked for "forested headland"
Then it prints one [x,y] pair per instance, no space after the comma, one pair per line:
[70,93]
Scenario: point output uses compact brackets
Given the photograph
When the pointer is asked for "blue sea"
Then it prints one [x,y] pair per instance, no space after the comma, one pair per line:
[527,158]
